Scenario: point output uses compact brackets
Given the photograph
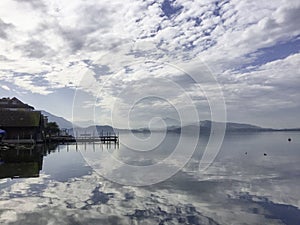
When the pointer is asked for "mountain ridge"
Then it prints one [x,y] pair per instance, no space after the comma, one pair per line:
[204,126]
[61,122]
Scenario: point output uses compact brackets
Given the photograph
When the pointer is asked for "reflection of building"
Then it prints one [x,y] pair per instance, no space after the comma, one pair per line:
[20,121]
[23,163]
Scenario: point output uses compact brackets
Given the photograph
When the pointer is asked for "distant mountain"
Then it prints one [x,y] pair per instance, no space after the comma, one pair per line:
[62,123]
[171,122]
[206,124]
[87,123]
[160,124]
[205,127]
[91,131]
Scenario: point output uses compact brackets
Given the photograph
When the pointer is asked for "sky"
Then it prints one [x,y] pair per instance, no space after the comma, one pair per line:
[136,63]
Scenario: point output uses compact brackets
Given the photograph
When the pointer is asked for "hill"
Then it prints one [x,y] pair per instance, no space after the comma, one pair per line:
[205,127]
[61,122]
[91,131]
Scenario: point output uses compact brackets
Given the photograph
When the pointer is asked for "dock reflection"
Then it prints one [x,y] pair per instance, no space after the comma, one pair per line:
[27,161]
[23,161]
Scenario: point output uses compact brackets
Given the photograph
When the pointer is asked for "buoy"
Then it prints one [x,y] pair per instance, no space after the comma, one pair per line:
[289,139]
[246,153]
[265,154]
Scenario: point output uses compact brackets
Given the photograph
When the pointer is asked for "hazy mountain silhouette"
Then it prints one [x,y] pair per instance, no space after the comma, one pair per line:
[62,122]
[172,124]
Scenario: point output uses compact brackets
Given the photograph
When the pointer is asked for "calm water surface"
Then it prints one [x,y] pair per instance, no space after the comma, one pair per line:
[254,180]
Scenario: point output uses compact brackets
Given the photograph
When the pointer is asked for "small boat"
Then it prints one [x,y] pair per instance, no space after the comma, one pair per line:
[2,134]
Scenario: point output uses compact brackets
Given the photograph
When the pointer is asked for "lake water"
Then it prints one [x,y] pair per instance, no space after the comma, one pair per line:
[253,180]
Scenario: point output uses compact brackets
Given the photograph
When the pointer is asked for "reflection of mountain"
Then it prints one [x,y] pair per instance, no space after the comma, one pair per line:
[20,162]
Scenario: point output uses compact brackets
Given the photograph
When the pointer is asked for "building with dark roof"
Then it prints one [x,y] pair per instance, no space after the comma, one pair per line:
[20,121]
[14,104]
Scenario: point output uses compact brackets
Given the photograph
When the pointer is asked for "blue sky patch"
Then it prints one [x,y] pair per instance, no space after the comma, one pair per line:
[169,9]
[276,52]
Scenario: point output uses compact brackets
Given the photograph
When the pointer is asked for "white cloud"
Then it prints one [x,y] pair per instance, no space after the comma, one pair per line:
[5,87]
[50,39]
[269,89]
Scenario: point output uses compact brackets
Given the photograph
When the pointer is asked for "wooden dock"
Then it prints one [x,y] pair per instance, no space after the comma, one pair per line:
[66,139]
[102,139]
[19,141]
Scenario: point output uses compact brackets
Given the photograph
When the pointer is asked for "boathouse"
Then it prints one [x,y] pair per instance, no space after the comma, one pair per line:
[14,104]
[20,121]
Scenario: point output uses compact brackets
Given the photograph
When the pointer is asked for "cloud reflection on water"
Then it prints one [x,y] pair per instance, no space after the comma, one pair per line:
[248,189]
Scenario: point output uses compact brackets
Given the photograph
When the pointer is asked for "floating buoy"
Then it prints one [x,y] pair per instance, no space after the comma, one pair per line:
[289,139]
[265,154]
[246,153]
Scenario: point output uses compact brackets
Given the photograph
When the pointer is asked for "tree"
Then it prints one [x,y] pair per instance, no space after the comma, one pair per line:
[52,129]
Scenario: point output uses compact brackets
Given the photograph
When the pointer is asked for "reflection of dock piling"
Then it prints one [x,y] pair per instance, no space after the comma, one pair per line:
[102,139]
[107,138]
[107,142]
[87,138]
